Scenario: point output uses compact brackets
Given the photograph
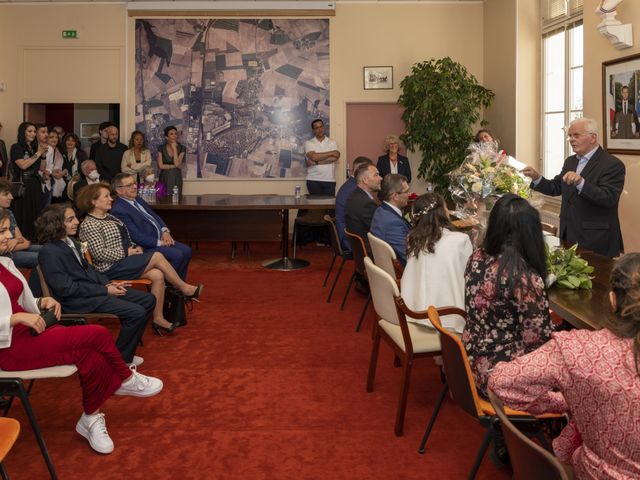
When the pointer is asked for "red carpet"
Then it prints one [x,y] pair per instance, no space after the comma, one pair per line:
[266,382]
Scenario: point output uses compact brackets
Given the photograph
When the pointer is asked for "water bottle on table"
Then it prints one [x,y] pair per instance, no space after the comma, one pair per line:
[175,195]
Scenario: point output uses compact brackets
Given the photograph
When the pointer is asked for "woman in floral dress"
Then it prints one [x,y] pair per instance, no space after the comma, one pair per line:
[505,296]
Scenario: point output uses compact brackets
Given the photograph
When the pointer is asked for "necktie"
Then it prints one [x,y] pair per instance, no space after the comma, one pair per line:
[149,217]
[624,107]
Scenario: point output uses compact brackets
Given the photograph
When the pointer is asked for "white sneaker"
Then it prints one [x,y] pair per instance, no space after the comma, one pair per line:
[137,361]
[94,429]
[140,385]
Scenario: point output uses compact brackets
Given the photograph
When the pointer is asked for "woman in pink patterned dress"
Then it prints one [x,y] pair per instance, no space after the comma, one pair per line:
[594,376]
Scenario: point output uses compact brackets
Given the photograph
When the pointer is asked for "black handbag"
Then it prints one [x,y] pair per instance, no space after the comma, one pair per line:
[17,189]
[175,306]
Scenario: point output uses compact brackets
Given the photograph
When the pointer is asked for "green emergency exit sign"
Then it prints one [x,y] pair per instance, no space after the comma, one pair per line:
[69,34]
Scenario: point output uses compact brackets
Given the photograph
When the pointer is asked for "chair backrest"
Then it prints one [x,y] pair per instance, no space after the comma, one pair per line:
[552,229]
[359,250]
[88,257]
[383,289]
[383,254]
[333,232]
[456,363]
[529,460]
[44,287]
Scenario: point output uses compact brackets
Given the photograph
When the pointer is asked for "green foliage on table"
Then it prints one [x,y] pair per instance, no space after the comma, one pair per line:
[442,104]
[567,269]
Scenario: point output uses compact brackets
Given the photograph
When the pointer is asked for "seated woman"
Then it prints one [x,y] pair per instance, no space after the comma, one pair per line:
[80,288]
[594,376]
[392,161]
[505,297]
[117,257]
[90,347]
[436,260]
[149,181]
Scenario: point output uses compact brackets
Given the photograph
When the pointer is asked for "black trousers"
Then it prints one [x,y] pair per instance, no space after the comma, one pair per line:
[321,188]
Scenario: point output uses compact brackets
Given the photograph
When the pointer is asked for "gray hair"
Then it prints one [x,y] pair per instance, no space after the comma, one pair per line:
[83,165]
[590,125]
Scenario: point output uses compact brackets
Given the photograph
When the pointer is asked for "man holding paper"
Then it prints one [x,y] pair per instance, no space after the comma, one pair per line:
[590,183]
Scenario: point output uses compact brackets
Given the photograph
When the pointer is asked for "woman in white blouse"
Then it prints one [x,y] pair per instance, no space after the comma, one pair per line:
[436,260]
[138,157]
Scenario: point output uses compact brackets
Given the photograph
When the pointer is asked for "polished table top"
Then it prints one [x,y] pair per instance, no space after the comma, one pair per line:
[244,202]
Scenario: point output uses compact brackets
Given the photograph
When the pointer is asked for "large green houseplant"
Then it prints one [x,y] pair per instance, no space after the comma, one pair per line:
[442,104]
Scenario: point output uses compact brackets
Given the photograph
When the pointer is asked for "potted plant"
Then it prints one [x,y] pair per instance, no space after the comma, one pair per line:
[442,103]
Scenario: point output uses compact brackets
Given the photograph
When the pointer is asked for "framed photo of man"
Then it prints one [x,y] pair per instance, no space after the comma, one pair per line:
[621,104]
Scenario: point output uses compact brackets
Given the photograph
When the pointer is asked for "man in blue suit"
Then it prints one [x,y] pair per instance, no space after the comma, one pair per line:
[388,222]
[146,228]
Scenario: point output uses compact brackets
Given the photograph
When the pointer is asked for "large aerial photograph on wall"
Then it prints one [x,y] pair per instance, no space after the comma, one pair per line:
[242,93]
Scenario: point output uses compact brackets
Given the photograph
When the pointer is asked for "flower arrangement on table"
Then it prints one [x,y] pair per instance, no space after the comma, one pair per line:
[567,269]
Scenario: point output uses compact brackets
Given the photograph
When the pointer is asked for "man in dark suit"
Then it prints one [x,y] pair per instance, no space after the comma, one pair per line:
[109,155]
[590,183]
[625,122]
[360,204]
[82,289]
[146,228]
[388,223]
[344,192]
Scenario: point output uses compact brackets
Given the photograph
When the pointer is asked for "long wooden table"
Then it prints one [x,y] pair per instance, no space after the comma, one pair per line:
[585,308]
[238,218]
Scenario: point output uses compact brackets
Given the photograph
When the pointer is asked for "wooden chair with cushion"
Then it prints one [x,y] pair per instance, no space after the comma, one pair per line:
[407,340]
[528,459]
[11,385]
[460,382]
[139,282]
[359,251]
[337,252]
[384,256]
[9,430]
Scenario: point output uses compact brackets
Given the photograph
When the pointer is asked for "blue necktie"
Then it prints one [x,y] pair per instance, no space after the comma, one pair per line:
[149,217]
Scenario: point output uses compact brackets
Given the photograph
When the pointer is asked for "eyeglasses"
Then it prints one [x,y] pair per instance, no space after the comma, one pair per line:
[404,191]
[578,135]
[129,185]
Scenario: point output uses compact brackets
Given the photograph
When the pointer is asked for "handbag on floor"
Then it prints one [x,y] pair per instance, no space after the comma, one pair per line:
[174,308]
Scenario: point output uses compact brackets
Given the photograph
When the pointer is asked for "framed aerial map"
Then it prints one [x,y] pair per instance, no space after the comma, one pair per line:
[241,92]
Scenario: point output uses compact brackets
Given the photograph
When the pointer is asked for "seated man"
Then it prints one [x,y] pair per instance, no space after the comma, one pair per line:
[388,222]
[344,192]
[89,176]
[82,289]
[360,204]
[146,228]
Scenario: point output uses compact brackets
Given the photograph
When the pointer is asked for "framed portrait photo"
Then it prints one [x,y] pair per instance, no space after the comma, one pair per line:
[88,129]
[378,78]
[621,104]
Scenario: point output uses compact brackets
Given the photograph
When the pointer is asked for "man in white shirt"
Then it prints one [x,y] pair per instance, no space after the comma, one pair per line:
[322,154]
[626,121]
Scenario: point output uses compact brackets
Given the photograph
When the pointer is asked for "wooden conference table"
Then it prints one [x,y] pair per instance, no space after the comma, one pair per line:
[585,308]
[238,218]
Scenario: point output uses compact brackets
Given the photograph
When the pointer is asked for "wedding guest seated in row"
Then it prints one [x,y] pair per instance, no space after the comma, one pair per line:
[436,260]
[149,180]
[90,176]
[117,257]
[392,161]
[388,221]
[594,376]
[101,368]
[361,205]
[82,289]
[138,157]
[505,296]
[344,192]
[146,228]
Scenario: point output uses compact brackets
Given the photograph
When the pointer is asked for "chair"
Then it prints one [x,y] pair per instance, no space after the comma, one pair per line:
[337,252]
[460,382]
[9,430]
[529,460]
[307,218]
[359,254]
[407,340]
[11,385]
[145,282]
[384,256]
[552,229]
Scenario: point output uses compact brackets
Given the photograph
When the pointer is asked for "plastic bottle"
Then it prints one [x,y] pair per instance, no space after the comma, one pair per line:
[175,195]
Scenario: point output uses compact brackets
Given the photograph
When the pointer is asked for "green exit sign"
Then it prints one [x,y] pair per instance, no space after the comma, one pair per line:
[69,34]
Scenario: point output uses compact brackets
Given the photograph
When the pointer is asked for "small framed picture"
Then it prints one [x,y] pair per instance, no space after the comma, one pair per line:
[88,129]
[621,104]
[378,78]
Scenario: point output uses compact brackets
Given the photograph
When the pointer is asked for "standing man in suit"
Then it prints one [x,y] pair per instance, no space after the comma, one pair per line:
[388,222]
[4,158]
[590,183]
[393,162]
[80,288]
[322,154]
[146,228]
[625,123]
[360,205]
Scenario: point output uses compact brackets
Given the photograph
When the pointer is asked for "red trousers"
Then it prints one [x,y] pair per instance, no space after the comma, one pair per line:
[89,347]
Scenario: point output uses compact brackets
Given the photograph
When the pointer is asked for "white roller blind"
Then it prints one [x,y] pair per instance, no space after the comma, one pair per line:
[555,12]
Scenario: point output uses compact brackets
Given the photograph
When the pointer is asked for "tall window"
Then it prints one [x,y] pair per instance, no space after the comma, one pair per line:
[562,70]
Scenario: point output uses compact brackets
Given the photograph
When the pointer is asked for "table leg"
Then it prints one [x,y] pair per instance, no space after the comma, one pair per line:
[285,263]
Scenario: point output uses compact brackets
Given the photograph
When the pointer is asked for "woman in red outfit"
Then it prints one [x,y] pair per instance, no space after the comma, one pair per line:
[90,347]
[594,376]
